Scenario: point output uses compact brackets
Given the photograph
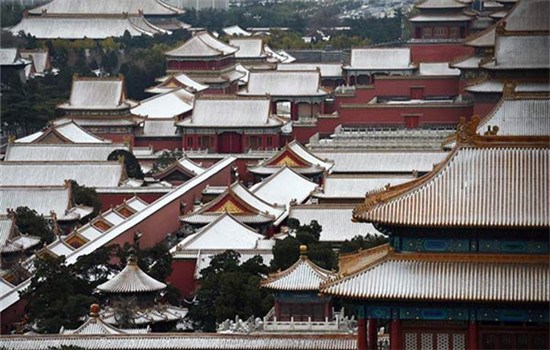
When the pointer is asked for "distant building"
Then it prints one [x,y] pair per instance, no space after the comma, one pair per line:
[206,60]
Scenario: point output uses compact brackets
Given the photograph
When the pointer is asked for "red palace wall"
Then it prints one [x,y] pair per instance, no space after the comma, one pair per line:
[109,200]
[396,115]
[11,315]
[117,138]
[182,277]
[439,52]
[483,108]
[158,143]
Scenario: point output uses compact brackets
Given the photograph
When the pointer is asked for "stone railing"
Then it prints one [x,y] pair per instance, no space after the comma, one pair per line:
[339,323]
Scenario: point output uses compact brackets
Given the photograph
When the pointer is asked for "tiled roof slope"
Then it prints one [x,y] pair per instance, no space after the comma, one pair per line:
[521,52]
[487,181]
[519,116]
[91,174]
[182,341]
[460,277]
[60,152]
[97,93]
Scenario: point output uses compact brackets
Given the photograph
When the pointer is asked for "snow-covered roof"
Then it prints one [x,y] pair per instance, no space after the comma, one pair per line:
[11,57]
[131,279]
[91,27]
[526,16]
[335,221]
[280,55]
[383,161]
[437,69]
[236,31]
[283,187]
[440,18]
[107,7]
[90,174]
[495,86]
[328,70]
[165,105]
[521,52]
[381,59]
[248,47]
[42,199]
[353,186]
[284,83]
[519,116]
[60,152]
[67,131]
[39,57]
[202,44]
[222,111]
[97,93]
[226,232]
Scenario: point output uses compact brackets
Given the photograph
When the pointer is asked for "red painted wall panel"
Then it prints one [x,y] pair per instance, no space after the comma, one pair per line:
[182,277]
[439,52]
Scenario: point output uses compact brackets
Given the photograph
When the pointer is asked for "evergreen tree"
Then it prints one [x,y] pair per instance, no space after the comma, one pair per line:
[29,222]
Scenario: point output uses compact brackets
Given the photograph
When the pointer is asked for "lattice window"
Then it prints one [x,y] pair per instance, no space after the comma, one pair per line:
[459,341]
[443,341]
[411,341]
[427,340]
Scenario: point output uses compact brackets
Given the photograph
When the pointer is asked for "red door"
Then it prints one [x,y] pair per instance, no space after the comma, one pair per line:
[230,142]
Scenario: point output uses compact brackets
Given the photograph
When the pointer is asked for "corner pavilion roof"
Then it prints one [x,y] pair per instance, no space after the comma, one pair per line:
[303,275]
[461,277]
[107,7]
[202,44]
[294,156]
[131,279]
[463,190]
[166,105]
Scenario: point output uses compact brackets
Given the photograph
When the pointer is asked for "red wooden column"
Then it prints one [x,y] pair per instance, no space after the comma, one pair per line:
[395,335]
[361,333]
[372,335]
[293,110]
[473,334]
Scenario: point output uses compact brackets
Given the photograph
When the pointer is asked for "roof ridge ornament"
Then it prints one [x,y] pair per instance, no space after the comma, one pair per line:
[466,132]
[509,90]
